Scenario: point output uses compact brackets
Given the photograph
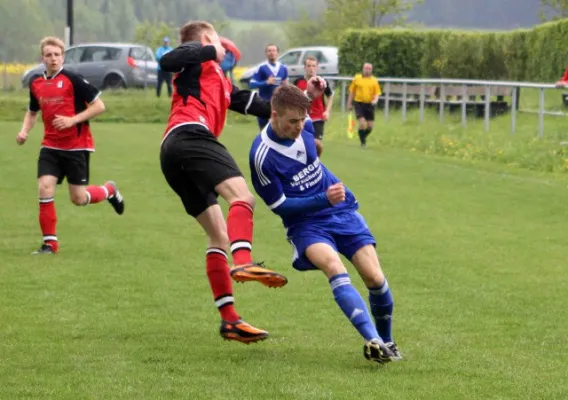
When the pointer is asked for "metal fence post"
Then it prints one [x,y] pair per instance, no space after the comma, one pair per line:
[487,107]
[343,87]
[387,98]
[404,95]
[422,100]
[514,111]
[464,106]
[541,113]
[442,100]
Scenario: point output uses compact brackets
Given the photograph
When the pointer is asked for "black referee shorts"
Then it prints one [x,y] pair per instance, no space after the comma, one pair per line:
[364,110]
[64,163]
[194,162]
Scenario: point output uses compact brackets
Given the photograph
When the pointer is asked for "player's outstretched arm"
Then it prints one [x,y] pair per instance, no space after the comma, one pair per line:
[247,102]
[187,54]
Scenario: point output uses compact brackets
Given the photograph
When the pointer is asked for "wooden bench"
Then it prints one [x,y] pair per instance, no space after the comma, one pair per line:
[475,98]
[453,97]
[396,94]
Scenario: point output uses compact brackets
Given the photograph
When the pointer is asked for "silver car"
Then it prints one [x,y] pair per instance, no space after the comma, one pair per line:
[108,65]
[294,59]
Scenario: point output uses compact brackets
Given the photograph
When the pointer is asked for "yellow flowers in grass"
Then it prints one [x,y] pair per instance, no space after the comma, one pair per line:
[14,68]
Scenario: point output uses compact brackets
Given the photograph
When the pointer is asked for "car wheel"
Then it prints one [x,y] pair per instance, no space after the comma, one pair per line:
[114,81]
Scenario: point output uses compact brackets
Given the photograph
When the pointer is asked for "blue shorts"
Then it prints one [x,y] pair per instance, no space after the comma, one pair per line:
[345,232]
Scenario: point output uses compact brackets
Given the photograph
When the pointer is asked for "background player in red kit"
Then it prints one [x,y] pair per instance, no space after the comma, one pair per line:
[198,167]
[320,108]
[66,102]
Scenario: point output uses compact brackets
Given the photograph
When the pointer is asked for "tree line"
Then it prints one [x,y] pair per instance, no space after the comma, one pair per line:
[294,22]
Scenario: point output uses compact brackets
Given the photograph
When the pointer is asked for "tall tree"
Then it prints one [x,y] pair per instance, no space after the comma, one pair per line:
[553,9]
[343,14]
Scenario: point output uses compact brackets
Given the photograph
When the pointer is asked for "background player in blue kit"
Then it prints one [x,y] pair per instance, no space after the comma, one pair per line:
[268,76]
[320,216]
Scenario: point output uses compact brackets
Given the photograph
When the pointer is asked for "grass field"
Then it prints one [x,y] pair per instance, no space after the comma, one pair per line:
[475,255]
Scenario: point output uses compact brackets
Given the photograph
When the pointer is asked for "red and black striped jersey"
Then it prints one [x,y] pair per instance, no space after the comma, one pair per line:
[66,94]
[202,94]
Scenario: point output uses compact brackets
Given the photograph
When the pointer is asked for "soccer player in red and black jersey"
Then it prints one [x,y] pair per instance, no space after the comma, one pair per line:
[321,107]
[199,168]
[66,102]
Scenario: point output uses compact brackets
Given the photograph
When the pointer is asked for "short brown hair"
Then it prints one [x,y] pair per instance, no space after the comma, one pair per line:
[310,58]
[289,97]
[271,45]
[51,41]
[192,31]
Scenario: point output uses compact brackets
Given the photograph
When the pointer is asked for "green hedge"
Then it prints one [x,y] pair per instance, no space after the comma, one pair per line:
[539,54]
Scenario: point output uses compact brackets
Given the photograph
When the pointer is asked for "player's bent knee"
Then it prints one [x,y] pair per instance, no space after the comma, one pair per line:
[79,199]
[333,268]
[246,198]
[46,188]
[376,279]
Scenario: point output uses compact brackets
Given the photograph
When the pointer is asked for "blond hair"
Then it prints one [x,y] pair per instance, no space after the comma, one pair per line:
[51,41]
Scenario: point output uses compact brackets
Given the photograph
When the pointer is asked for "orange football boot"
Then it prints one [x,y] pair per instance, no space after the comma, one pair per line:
[241,332]
[257,272]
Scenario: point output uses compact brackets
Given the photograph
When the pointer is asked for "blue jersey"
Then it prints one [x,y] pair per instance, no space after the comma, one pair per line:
[289,169]
[265,71]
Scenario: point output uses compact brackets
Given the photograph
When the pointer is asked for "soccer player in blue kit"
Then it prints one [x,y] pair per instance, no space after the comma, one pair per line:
[321,219]
[268,76]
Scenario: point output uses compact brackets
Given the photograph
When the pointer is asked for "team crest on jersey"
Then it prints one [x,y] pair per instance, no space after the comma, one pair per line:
[299,153]
[60,84]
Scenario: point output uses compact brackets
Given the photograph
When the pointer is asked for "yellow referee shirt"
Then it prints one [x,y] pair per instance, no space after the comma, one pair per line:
[365,88]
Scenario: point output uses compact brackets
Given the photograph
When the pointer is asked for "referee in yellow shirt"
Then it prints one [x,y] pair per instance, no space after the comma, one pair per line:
[364,94]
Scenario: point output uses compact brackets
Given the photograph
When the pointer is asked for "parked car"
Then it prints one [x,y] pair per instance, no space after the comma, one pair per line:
[108,65]
[294,60]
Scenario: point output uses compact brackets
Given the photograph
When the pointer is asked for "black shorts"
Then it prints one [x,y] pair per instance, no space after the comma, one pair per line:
[194,162]
[64,163]
[364,110]
[318,129]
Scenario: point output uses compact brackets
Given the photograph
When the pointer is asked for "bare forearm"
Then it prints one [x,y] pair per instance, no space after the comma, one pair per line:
[350,98]
[97,108]
[29,121]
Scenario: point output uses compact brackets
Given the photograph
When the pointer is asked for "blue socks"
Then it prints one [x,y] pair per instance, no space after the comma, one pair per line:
[353,306]
[381,307]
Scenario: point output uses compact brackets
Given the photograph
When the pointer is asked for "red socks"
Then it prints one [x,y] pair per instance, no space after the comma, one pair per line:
[220,281]
[48,222]
[96,194]
[240,229]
